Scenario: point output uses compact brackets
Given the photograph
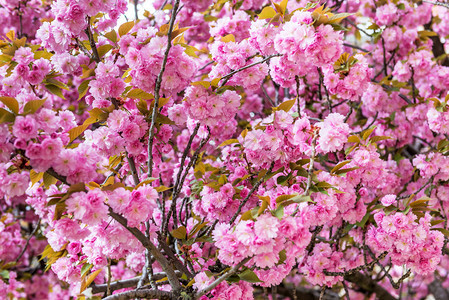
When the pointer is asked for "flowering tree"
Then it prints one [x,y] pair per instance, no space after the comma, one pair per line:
[224,149]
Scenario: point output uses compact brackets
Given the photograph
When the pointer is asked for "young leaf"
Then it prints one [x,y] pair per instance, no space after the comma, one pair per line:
[125,28]
[87,281]
[179,233]
[267,13]
[82,89]
[340,165]
[139,94]
[32,106]
[76,132]
[55,90]
[11,103]
[286,105]
[249,276]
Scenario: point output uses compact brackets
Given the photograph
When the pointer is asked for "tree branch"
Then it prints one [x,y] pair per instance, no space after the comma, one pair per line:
[172,278]
[369,285]
[222,278]
[150,294]
[126,283]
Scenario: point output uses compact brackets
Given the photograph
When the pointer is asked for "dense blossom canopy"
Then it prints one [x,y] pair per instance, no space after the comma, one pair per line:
[224,149]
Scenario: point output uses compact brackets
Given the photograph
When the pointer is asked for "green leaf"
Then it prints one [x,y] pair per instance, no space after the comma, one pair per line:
[48,180]
[32,106]
[86,268]
[279,212]
[103,49]
[179,233]
[82,89]
[267,13]
[343,171]
[340,165]
[282,257]
[55,90]
[376,139]
[228,38]
[164,119]
[205,84]
[283,198]
[57,83]
[249,276]
[364,220]
[35,177]
[324,185]
[6,116]
[76,132]
[139,94]
[442,144]
[11,103]
[338,27]
[86,282]
[112,36]
[162,188]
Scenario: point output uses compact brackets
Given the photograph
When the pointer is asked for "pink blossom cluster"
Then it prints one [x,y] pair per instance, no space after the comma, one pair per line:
[438,121]
[241,290]
[349,85]
[304,48]
[209,108]
[336,205]
[124,131]
[334,133]
[237,24]
[11,11]
[72,17]
[408,240]
[323,258]
[282,139]
[14,184]
[264,241]
[433,164]
[442,27]
[220,205]
[233,56]
[11,237]
[107,84]
[144,54]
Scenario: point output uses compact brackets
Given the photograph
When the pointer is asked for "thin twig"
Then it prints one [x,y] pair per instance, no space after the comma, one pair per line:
[157,89]
[222,278]
[28,241]
[228,76]
[255,187]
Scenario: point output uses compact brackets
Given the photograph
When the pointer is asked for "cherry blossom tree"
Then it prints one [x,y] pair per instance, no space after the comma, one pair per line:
[223,149]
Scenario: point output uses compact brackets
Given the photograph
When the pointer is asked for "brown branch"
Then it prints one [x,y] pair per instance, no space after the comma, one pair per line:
[95,55]
[438,291]
[150,294]
[369,285]
[125,283]
[132,167]
[222,278]
[172,278]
